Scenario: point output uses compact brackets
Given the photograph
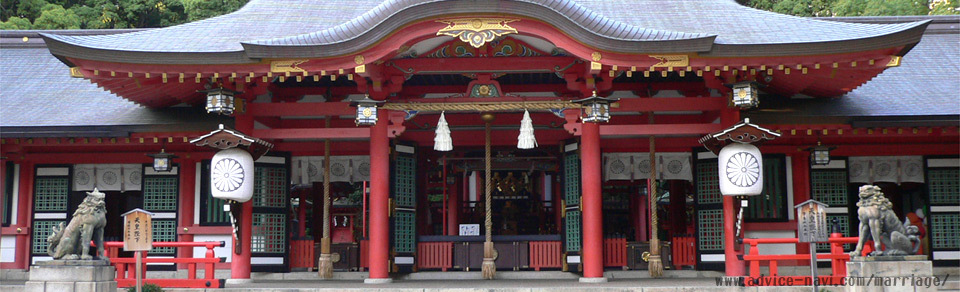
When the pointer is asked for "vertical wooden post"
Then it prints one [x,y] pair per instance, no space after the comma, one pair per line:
[379,205]
[188,175]
[240,263]
[734,266]
[139,272]
[25,214]
[591,203]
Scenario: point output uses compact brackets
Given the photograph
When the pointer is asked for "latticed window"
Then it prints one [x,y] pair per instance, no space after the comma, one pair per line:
[708,184]
[572,221]
[269,190]
[945,230]
[829,186]
[160,193]
[710,227]
[844,222]
[405,235]
[51,194]
[571,180]
[211,208]
[268,233]
[405,186]
[41,230]
[945,186]
[164,231]
[770,205]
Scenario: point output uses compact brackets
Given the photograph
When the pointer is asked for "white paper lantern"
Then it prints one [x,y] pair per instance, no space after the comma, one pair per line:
[231,175]
[741,170]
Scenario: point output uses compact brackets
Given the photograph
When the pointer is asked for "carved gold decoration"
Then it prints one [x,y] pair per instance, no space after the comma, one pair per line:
[75,72]
[894,61]
[595,66]
[360,69]
[477,31]
[596,56]
[285,66]
[358,59]
[671,61]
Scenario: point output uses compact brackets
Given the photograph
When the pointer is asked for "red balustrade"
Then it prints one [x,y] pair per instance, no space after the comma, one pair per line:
[684,252]
[838,261]
[615,252]
[302,254]
[545,254]
[126,266]
[435,255]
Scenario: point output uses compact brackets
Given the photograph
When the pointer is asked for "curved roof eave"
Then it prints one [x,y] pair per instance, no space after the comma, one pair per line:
[908,34]
[61,46]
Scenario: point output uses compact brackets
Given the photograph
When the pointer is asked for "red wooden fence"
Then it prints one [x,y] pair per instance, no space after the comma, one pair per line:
[545,254]
[302,253]
[126,267]
[615,252]
[838,261]
[435,255]
[684,252]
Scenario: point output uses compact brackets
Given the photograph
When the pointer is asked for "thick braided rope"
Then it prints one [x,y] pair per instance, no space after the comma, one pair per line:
[489,219]
[326,188]
[482,106]
[654,237]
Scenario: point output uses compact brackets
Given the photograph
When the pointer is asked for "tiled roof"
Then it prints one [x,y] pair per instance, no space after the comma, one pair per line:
[38,97]
[690,25]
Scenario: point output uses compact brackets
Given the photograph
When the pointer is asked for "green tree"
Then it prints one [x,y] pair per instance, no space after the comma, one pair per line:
[945,7]
[201,9]
[30,9]
[55,17]
[880,8]
[16,23]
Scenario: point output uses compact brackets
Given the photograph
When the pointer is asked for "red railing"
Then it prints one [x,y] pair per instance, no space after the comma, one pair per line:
[838,261]
[545,254]
[684,252]
[302,253]
[435,255]
[126,267]
[615,252]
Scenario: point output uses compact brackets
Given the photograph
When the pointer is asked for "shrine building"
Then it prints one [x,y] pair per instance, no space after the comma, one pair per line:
[559,120]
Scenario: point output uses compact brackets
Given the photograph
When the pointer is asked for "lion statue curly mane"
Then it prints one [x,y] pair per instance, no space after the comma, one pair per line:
[73,242]
[879,223]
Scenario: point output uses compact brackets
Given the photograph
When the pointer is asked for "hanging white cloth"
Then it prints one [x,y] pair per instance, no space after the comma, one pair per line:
[340,169]
[526,140]
[859,171]
[885,169]
[83,177]
[442,141]
[132,177]
[617,166]
[361,168]
[911,169]
[109,177]
[675,166]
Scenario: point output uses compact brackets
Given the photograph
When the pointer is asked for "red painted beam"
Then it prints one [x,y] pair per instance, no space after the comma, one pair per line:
[316,133]
[671,104]
[461,65]
[299,109]
[655,129]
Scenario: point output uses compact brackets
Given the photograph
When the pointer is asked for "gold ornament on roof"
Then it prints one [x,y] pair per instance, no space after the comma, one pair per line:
[283,66]
[672,61]
[477,31]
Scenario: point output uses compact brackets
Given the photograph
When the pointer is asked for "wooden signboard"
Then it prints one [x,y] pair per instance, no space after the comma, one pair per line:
[137,230]
[812,222]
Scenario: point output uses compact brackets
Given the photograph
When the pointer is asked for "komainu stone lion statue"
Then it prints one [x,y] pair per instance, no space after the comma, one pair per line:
[88,221]
[879,223]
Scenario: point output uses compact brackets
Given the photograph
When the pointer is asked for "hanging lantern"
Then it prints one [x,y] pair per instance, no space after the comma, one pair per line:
[741,170]
[162,161]
[220,100]
[745,95]
[366,110]
[526,140]
[443,141]
[595,109]
[820,155]
[231,175]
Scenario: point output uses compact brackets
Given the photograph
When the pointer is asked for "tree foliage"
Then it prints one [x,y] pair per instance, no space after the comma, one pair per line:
[103,14]
[826,8]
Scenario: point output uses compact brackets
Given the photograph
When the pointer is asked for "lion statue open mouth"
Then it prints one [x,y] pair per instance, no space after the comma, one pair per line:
[879,223]
[73,242]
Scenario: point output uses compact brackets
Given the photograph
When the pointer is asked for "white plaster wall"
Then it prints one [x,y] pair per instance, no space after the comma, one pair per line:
[8,248]
[225,251]
[780,248]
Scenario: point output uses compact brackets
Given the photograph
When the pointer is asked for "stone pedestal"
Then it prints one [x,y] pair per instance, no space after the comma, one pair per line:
[889,274]
[72,276]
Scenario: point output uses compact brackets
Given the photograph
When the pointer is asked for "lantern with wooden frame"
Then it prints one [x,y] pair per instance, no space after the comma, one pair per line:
[820,154]
[162,161]
[366,110]
[745,95]
[595,109]
[220,100]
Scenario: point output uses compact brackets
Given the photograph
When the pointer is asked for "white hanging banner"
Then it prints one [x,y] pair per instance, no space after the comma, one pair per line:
[911,169]
[340,169]
[314,169]
[132,177]
[641,165]
[617,166]
[83,177]
[109,177]
[676,166]
[885,169]
[361,168]
[859,170]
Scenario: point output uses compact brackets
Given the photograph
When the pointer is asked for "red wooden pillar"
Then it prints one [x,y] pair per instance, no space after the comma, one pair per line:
[188,183]
[240,263]
[24,215]
[302,214]
[734,266]
[453,211]
[591,202]
[800,166]
[379,196]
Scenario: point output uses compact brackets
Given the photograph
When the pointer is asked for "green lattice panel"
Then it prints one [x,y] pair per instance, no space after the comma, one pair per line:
[829,187]
[215,213]
[164,231]
[769,205]
[269,189]
[945,229]
[710,227]
[51,194]
[571,180]
[404,237]
[41,230]
[844,222]
[268,234]
[708,184]
[405,186]
[160,193]
[572,223]
[945,186]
